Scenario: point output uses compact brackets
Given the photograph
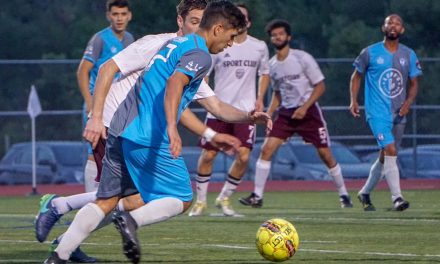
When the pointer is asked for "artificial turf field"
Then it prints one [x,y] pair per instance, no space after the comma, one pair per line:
[328,234]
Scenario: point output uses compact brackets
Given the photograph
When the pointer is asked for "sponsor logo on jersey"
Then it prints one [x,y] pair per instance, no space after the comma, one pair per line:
[380,60]
[191,67]
[227,55]
[391,83]
[239,73]
[180,39]
[240,63]
[380,137]
[113,49]
[402,61]
[418,65]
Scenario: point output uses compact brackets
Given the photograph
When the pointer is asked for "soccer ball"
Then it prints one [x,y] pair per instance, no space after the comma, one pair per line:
[277,240]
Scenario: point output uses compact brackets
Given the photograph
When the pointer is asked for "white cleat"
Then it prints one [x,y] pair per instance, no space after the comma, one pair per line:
[197,209]
[225,205]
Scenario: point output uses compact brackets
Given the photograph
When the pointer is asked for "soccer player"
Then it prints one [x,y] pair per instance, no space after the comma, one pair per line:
[298,83]
[132,60]
[101,47]
[391,70]
[143,146]
[236,69]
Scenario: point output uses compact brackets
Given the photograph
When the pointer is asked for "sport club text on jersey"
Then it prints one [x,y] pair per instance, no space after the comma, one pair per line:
[240,63]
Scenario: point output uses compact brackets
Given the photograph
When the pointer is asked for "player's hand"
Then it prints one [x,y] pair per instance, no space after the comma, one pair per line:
[175,141]
[259,105]
[261,118]
[299,113]
[94,130]
[354,109]
[226,143]
[404,109]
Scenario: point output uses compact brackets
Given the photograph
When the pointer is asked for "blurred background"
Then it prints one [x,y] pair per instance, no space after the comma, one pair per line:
[42,43]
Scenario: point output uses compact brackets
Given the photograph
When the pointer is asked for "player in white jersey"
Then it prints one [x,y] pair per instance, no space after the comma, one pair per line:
[236,70]
[131,62]
[298,83]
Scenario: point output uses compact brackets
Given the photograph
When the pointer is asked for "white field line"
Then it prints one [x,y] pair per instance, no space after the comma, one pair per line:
[324,251]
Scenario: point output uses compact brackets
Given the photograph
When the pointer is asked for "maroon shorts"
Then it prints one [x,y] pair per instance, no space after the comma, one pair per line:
[98,154]
[244,132]
[311,128]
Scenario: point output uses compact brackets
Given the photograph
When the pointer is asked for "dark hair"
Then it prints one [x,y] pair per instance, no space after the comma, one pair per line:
[117,3]
[185,6]
[244,6]
[278,23]
[225,11]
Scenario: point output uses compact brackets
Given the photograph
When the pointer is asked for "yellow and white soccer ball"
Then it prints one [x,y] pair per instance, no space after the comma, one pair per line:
[277,240]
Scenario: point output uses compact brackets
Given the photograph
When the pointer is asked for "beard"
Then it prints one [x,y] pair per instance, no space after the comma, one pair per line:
[281,45]
[390,36]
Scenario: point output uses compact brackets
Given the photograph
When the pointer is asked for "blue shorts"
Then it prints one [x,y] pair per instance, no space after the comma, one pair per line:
[155,173]
[382,131]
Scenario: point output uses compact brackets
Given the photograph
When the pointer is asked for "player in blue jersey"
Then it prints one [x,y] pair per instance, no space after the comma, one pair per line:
[101,47]
[143,146]
[391,70]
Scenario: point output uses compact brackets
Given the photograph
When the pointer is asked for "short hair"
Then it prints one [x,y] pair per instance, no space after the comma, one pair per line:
[244,6]
[223,10]
[118,3]
[185,6]
[278,23]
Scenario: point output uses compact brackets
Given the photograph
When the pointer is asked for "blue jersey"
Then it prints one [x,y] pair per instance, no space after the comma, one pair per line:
[141,117]
[386,78]
[102,47]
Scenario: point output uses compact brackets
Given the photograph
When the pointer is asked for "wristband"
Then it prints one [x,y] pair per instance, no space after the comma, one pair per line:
[209,134]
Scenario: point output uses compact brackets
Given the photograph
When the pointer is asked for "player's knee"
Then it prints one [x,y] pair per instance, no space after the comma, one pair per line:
[107,205]
[391,150]
[208,156]
[243,158]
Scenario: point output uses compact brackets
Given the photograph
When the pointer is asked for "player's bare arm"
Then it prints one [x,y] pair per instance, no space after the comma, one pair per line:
[228,113]
[274,103]
[318,91]
[227,143]
[173,95]
[355,83]
[263,84]
[95,128]
[412,93]
[82,76]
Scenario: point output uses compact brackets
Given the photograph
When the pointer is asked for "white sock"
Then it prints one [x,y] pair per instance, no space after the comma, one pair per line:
[373,178]
[73,202]
[336,174]
[85,221]
[105,222]
[90,172]
[262,170]
[157,211]
[392,176]
[120,206]
[202,183]
[229,187]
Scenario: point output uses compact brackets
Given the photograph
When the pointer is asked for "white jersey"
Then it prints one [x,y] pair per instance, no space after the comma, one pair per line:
[132,61]
[295,77]
[236,70]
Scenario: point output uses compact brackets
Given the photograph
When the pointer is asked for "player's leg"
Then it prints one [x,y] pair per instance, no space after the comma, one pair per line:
[334,170]
[204,172]
[313,129]
[262,170]
[246,134]
[164,185]
[375,175]
[206,160]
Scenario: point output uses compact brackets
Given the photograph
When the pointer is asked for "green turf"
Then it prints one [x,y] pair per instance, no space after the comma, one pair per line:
[328,234]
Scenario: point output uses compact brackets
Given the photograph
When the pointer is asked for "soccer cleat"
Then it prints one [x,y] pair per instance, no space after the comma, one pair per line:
[77,255]
[400,205]
[54,259]
[46,218]
[197,209]
[345,201]
[225,205]
[127,227]
[366,202]
[252,200]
